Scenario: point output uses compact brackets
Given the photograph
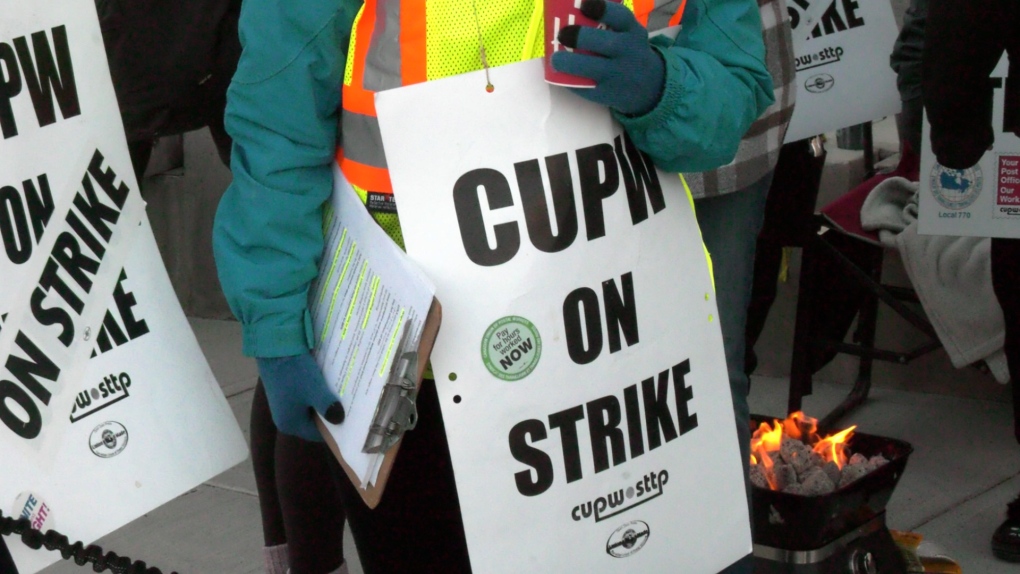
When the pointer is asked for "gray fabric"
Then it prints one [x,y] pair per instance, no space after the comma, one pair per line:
[890,208]
[951,275]
[905,59]
[275,559]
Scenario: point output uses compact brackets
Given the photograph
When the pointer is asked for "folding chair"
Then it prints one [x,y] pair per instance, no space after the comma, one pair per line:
[840,279]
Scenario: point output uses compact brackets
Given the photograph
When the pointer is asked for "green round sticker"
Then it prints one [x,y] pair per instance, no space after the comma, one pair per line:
[511,348]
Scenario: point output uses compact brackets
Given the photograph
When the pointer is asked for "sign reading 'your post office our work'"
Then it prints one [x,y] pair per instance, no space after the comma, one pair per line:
[842,52]
[982,200]
[580,365]
[107,406]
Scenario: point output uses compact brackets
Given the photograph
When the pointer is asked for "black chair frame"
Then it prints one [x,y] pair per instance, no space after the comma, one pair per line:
[807,344]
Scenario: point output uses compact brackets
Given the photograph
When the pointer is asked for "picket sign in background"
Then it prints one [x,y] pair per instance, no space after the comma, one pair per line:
[843,73]
[679,507]
[180,429]
[145,420]
[981,201]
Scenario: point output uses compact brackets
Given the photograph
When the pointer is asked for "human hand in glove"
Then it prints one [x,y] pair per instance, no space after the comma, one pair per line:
[628,72]
[296,390]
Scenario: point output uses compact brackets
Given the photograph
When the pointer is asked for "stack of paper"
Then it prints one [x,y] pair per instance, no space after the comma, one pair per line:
[367,293]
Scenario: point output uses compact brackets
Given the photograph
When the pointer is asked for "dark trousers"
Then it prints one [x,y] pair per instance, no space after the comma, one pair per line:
[417,527]
[6,562]
[1006,282]
[298,501]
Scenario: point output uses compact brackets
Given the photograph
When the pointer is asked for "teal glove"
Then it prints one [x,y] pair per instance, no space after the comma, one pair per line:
[629,74]
[296,389]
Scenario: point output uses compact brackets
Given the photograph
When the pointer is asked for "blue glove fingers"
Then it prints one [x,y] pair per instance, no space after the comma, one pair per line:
[603,42]
[628,71]
[584,65]
[616,16]
[294,386]
[316,392]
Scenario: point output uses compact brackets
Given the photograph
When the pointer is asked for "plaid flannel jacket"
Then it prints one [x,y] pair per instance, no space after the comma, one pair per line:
[759,149]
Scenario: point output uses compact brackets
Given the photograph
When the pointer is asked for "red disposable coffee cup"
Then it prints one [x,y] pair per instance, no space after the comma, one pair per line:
[558,15]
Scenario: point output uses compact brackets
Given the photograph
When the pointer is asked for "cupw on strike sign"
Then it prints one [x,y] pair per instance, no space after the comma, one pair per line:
[580,365]
[107,406]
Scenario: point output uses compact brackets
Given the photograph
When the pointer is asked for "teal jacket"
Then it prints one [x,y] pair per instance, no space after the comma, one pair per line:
[282,112]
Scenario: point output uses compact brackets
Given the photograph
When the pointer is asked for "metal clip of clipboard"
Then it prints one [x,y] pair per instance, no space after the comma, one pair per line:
[396,411]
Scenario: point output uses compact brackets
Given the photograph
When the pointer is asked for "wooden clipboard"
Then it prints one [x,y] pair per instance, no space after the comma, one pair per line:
[373,494]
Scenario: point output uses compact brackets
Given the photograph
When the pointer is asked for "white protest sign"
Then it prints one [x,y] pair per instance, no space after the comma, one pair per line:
[982,200]
[147,421]
[58,299]
[88,444]
[579,364]
[842,52]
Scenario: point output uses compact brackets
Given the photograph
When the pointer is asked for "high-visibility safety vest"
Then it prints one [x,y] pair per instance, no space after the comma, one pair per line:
[402,42]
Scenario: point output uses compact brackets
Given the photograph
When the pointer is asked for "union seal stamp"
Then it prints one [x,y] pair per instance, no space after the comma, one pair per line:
[955,188]
[108,439]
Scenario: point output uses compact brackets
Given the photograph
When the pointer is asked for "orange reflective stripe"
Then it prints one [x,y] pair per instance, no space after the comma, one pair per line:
[675,20]
[355,97]
[359,101]
[642,8]
[412,42]
[364,176]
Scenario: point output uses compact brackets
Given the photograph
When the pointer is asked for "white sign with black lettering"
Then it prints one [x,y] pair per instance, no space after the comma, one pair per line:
[842,52]
[982,200]
[580,366]
[100,376]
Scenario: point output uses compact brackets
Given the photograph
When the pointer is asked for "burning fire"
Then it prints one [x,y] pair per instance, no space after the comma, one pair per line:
[768,440]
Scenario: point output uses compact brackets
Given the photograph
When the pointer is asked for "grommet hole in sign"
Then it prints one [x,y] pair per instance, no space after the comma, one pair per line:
[456,398]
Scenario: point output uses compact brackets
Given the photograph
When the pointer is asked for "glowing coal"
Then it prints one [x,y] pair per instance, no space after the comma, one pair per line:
[790,456]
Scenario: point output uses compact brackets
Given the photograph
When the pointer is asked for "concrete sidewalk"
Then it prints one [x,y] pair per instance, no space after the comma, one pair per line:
[964,469]
[215,528]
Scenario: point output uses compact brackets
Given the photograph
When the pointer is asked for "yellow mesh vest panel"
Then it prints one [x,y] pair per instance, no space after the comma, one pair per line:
[453,48]
[388,221]
[511,31]
[349,67]
[452,32]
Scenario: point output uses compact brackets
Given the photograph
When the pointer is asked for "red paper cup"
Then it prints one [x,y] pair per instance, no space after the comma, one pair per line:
[558,15]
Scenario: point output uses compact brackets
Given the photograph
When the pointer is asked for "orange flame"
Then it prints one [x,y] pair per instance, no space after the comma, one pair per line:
[766,441]
[834,447]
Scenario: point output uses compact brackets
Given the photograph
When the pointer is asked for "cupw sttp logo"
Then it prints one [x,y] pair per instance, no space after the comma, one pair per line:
[649,487]
[112,389]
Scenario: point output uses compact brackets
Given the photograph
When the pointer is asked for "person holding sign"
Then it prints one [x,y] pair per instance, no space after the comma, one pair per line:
[686,101]
[171,63]
[964,42]
[730,206]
